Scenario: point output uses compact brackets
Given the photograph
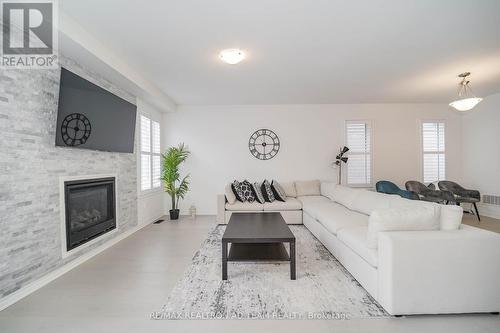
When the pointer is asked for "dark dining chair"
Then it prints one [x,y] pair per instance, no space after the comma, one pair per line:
[387,187]
[428,193]
[461,194]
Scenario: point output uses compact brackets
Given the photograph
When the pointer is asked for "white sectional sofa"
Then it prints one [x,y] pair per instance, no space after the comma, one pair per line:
[413,257]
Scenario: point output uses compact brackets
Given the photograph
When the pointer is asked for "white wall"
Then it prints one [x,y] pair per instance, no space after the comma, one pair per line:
[150,204]
[481,150]
[310,137]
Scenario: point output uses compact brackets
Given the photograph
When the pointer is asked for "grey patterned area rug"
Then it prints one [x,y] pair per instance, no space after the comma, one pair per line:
[323,289]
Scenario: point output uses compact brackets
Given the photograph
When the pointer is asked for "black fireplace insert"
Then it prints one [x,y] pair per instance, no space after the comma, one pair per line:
[90,209]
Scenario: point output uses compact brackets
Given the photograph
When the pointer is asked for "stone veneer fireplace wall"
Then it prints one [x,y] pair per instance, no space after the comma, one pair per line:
[31,167]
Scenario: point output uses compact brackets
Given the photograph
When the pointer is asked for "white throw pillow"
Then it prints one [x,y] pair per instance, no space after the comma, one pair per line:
[307,187]
[257,190]
[279,192]
[327,189]
[345,195]
[451,217]
[228,191]
[401,219]
[289,188]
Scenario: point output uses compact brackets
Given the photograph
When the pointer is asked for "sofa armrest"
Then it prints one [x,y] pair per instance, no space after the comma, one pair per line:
[426,272]
[221,208]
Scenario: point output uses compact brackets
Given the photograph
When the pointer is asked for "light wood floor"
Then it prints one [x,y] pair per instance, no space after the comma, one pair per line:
[117,290]
[487,223]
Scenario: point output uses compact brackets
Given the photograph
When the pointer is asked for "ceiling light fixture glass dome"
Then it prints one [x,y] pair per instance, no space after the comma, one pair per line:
[468,100]
[232,56]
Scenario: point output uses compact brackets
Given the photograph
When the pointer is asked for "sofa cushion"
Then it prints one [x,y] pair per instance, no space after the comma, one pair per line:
[288,204]
[451,217]
[367,201]
[327,189]
[309,187]
[259,197]
[278,191]
[267,191]
[228,191]
[312,199]
[245,206]
[407,203]
[236,186]
[345,195]
[289,188]
[335,217]
[355,239]
[247,190]
[401,219]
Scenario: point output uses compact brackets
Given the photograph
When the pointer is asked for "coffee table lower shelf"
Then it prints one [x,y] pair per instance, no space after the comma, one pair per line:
[258,252]
[254,252]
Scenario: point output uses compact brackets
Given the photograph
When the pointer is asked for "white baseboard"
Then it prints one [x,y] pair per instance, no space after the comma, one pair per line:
[37,284]
[489,210]
[153,220]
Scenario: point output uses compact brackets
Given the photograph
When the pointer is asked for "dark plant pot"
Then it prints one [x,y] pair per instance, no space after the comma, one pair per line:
[174,214]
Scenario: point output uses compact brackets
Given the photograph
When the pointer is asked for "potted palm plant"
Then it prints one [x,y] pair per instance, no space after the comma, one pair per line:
[173,184]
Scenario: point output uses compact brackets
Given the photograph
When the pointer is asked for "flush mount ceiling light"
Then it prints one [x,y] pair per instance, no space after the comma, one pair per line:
[467,99]
[232,56]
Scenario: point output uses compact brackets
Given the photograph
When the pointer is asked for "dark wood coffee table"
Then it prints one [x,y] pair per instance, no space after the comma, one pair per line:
[257,237]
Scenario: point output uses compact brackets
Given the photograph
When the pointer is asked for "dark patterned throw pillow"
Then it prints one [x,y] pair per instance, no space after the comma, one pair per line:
[258,193]
[246,188]
[238,192]
[267,191]
[278,191]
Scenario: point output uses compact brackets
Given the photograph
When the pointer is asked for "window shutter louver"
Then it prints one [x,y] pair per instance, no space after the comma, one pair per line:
[156,137]
[358,140]
[156,171]
[145,134]
[150,154]
[433,148]
[156,167]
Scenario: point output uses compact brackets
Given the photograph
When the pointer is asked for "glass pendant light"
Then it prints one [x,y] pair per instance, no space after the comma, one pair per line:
[467,99]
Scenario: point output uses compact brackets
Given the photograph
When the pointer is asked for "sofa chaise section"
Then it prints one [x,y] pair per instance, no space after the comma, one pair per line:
[431,272]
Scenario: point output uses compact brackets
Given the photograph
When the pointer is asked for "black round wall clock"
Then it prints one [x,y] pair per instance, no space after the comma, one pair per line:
[264,144]
[75,129]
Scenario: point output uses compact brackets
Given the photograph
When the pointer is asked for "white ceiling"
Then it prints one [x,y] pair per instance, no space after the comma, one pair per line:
[302,51]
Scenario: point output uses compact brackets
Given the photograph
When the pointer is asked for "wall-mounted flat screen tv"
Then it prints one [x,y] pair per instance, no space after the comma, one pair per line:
[91,117]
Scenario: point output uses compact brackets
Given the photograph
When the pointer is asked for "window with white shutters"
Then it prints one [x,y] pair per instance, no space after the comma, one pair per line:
[150,154]
[155,143]
[433,151]
[359,165]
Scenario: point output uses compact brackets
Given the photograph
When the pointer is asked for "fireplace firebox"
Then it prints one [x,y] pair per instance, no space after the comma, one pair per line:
[90,209]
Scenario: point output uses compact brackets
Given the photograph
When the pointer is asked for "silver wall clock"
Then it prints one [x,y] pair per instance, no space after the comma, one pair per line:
[264,144]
